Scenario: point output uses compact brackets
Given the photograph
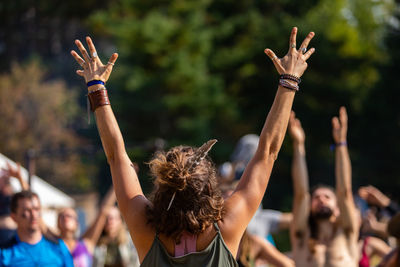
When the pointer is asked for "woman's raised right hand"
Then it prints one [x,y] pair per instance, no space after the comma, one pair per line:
[294,62]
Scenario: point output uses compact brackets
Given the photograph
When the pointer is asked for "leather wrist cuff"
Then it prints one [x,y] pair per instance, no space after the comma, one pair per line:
[98,98]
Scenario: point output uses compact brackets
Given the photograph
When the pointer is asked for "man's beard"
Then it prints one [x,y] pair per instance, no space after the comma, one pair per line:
[323,213]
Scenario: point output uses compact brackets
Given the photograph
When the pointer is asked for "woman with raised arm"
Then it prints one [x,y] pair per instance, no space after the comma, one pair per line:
[186,212]
[82,249]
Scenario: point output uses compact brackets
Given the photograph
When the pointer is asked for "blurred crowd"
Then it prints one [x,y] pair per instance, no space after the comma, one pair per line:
[25,238]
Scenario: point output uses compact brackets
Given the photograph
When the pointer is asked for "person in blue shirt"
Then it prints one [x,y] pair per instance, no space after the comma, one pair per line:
[29,247]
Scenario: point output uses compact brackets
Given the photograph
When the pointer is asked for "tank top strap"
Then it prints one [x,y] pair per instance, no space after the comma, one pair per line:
[216,227]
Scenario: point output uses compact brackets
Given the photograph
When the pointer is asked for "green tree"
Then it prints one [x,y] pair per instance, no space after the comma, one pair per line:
[189,70]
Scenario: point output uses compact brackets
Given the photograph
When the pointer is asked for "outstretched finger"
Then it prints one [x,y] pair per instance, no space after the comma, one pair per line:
[92,49]
[335,123]
[309,53]
[78,58]
[83,50]
[112,60]
[362,192]
[343,115]
[80,73]
[307,40]
[292,40]
[274,58]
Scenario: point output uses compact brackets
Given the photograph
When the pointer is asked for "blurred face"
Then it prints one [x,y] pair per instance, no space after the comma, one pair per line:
[114,221]
[68,220]
[27,215]
[323,204]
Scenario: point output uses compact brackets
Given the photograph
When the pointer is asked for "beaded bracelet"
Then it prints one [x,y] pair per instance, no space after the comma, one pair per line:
[290,77]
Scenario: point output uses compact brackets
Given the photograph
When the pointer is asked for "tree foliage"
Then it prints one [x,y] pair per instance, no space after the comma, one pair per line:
[38,114]
[189,71]
[193,70]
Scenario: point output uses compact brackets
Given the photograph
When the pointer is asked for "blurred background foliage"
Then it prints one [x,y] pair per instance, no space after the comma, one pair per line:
[190,71]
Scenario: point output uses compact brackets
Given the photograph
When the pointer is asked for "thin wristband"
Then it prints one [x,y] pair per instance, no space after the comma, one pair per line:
[333,146]
[93,82]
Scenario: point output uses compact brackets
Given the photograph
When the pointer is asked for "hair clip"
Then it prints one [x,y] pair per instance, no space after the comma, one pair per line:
[170,202]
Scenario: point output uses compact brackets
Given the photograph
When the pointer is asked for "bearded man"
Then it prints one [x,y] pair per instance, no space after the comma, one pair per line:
[325,225]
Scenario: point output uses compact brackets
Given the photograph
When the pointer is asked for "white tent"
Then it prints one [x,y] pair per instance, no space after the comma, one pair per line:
[50,197]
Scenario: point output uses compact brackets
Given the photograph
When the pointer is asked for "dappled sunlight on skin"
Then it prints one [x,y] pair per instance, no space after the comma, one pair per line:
[176,171]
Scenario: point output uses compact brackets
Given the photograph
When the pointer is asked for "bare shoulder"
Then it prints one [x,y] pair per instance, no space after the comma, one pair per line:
[230,236]
[142,233]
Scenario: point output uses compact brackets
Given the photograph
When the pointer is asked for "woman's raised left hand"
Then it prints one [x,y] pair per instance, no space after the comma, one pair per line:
[93,68]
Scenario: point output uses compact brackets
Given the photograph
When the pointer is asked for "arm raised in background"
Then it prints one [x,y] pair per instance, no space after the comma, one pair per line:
[301,200]
[266,251]
[348,215]
[92,234]
[10,171]
[131,200]
[243,203]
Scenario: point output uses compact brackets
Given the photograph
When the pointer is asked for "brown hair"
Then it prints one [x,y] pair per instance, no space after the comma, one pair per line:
[312,222]
[192,178]
[120,238]
[21,195]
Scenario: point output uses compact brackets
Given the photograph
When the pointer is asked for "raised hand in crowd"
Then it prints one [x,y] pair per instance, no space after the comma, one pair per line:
[93,68]
[296,130]
[173,186]
[339,127]
[373,196]
[373,226]
[15,172]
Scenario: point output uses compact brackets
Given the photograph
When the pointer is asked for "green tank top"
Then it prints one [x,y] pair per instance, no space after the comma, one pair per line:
[216,254]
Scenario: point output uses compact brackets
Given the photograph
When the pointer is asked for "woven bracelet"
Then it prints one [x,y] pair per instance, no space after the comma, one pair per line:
[288,85]
[290,77]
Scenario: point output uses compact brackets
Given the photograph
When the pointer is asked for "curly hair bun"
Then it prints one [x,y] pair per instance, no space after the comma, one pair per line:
[186,178]
[171,168]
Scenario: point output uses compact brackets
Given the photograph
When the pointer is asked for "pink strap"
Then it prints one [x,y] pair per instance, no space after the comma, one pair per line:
[187,245]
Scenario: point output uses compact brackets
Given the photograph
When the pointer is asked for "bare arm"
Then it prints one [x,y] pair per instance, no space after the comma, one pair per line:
[47,232]
[16,172]
[92,234]
[131,200]
[271,254]
[373,196]
[371,224]
[378,247]
[244,202]
[301,200]
[348,214]
[286,220]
